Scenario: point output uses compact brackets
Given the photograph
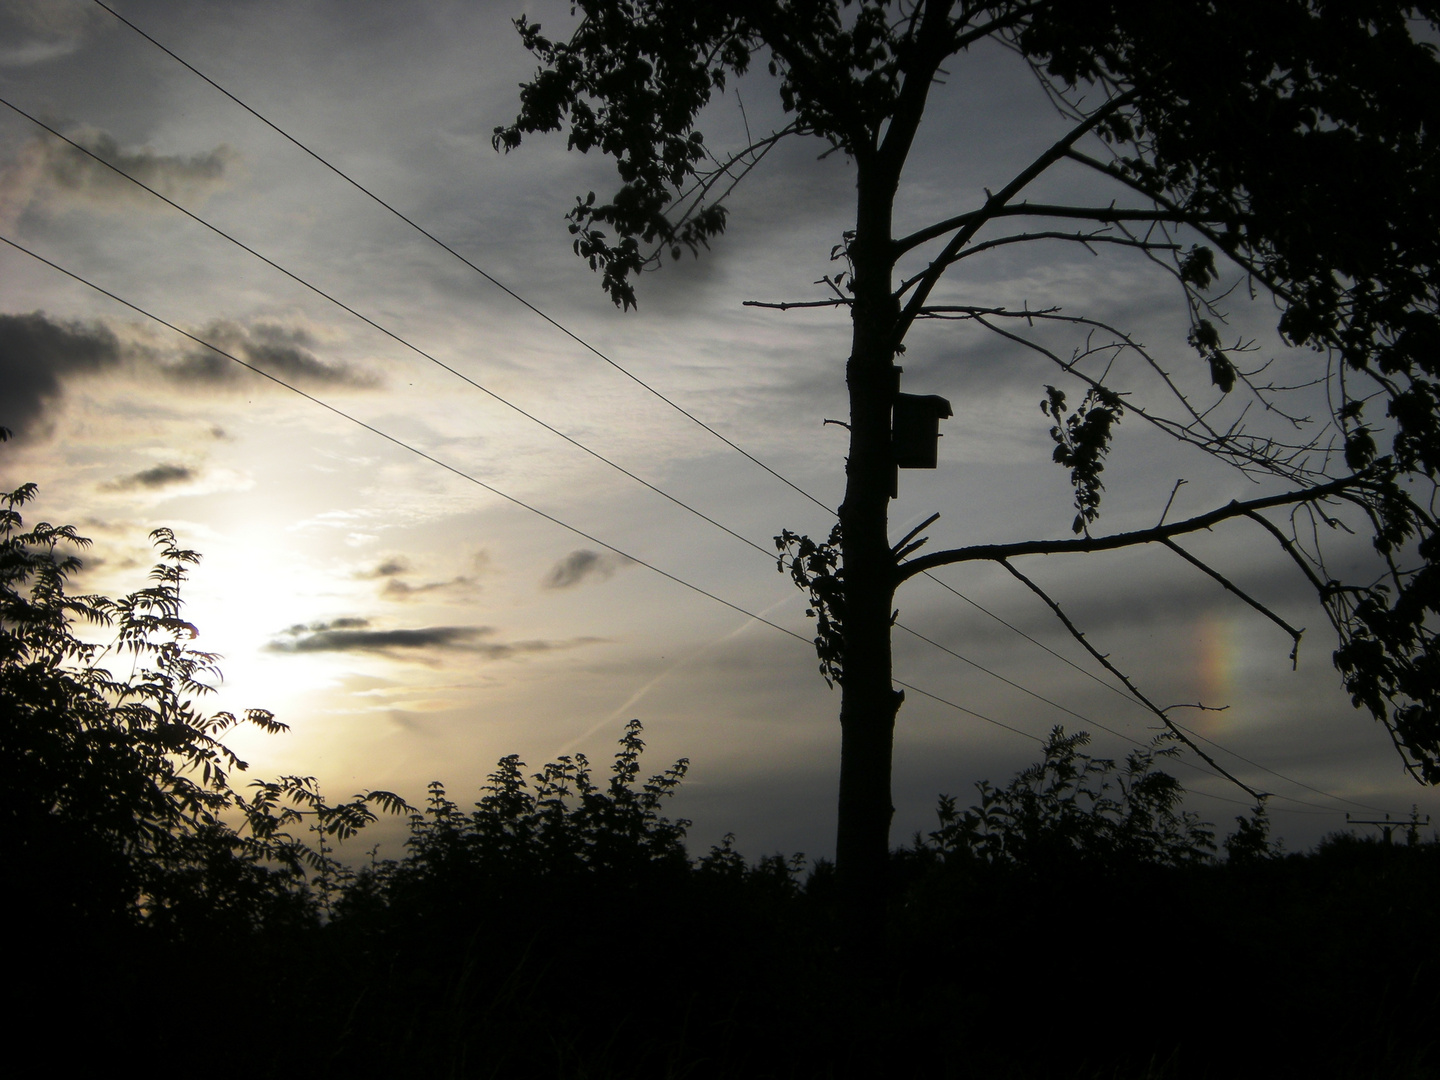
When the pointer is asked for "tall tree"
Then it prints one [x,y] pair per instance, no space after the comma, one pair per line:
[1287,145]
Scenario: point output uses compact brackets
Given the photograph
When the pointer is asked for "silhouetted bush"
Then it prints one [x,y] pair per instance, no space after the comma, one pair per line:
[488,927]
[1074,922]
[1071,809]
[116,808]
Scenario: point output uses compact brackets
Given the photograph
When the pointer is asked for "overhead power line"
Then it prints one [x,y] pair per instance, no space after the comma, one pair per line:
[1251,806]
[1038,644]
[608,360]
[446,247]
[1179,761]
[382,329]
[1010,682]
[403,444]
[395,440]
[968,712]
[520,299]
[461,473]
[1280,775]
[460,375]
[1124,696]
[1121,735]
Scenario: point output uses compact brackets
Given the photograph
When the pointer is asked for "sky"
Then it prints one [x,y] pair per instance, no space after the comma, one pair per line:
[415,618]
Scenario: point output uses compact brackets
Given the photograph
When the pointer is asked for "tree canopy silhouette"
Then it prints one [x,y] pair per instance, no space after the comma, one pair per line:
[1287,147]
[116,806]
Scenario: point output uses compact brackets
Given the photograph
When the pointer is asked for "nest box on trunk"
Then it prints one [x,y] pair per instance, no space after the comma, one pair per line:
[915,429]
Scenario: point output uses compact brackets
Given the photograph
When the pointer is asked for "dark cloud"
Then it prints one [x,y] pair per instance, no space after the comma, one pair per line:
[153,478]
[347,623]
[395,589]
[391,567]
[420,643]
[67,171]
[345,640]
[38,355]
[388,567]
[579,565]
[284,352]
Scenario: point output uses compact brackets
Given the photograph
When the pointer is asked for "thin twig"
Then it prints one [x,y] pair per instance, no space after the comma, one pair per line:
[1256,604]
[1173,492]
[1164,718]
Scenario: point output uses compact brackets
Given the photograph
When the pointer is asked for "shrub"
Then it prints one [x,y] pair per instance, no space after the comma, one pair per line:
[115,797]
[1071,809]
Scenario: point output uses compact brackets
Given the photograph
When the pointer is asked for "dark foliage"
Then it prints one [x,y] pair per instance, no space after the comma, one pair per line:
[1072,923]
[128,856]
[1073,809]
[816,569]
[484,932]
[113,787]
[1082,439]
[567,833]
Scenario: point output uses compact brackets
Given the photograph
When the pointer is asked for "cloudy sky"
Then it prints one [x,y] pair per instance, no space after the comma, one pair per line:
[416,618]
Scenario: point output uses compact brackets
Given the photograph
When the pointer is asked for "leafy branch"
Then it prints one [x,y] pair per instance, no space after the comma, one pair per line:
[816,568]
[1082,439]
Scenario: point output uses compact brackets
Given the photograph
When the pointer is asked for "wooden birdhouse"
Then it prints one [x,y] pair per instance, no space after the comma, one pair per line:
[915,429]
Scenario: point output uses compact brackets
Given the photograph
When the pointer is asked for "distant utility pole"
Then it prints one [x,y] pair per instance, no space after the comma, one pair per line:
[1388,827]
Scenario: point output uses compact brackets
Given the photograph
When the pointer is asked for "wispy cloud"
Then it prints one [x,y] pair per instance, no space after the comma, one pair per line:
[336,638]
[388,567]
[47,173]
[418,643]
[397,589]
[173,175]
[581,565]
[391,569]
[34,31]
[282,351]
[154,478]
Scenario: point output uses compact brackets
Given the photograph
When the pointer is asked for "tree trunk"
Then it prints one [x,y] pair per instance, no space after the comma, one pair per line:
[868,701]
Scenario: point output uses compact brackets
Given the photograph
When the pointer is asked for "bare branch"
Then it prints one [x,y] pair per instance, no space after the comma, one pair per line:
[1168,502]
[974,311]
[1102,214]
[1174,729]
[1130,343]
[1083,238]
[1006,22]
[786,305]
[1170,427]
[1117,541]
[698,194]
[996,203]
[904,547]
[1231,587]
[1246,452]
